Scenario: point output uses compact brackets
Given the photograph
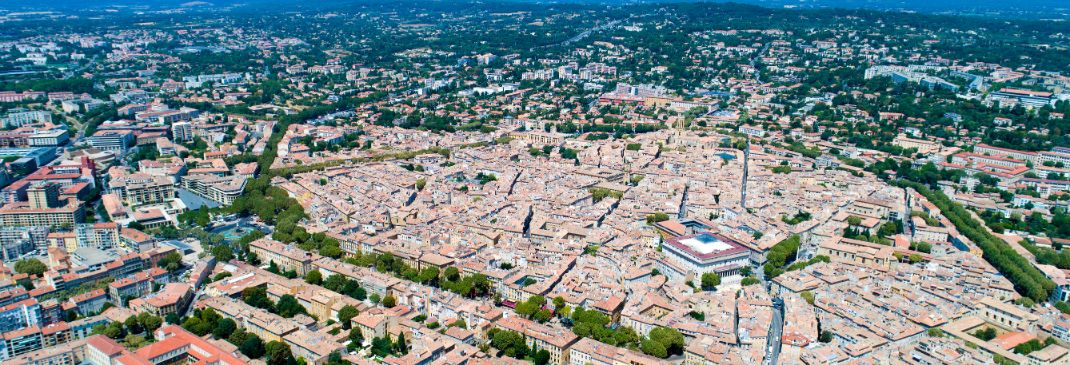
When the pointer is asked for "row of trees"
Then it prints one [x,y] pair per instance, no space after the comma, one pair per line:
[1027,279]
[287,306]
[471,286]
[781,254]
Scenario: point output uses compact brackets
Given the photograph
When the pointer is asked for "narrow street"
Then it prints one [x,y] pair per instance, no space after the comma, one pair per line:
[776,331]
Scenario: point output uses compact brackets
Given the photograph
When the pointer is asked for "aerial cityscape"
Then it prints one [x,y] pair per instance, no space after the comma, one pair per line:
[353,182]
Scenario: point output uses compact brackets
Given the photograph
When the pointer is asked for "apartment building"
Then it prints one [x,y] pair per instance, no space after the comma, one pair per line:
[141,189]
[287,257]
[554,340]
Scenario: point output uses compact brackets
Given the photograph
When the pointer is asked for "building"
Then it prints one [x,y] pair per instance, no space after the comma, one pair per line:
[220,189]
[51,138]
[1007,315]
[182,131]
[19,117]
[287,257]
[101,236]
[123,290]
[856,252]
[141,189]
[174,345]
[264,324]
[16,316]
[751,130]
[706,252]
[314,347]
[43,195]
[22,214]
[173,298]
[590,352]
[1025,97]
[110,140]
[556,341]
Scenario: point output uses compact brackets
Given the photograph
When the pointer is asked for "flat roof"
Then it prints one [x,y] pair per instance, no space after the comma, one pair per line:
[706,245]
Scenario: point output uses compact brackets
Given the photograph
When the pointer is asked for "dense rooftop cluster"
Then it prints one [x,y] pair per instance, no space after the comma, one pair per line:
[490,183]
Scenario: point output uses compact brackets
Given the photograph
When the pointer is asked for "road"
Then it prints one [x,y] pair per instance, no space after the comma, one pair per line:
[583,35]
[754,61]
[776,331]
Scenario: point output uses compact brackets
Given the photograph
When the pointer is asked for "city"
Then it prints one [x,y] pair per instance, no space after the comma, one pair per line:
[475,183]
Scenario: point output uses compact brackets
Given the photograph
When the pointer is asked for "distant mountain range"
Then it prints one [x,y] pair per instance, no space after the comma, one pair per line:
[1034,9]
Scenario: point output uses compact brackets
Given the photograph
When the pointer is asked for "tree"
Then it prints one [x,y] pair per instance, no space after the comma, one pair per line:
[170,262]
[382,346]
[511,343]
[670,338]
[134,341]
[32,267]
[389,301]
[400,346]
[314,277]
[559,302]
[914,258]
[656,217]
[252,346]
[352,288]
[132,325]
[288,306]
[356,336]
[114,330]
[224,328]
[825,336]
[986,334]
[710,281]
[222,253]
[654,348]
[542,357]
[278,353]
[346,314]
[335,283]
[257,297]
[150,322]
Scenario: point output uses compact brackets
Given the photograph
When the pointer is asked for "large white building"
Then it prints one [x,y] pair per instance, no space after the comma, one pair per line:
[182,131]
[706,252]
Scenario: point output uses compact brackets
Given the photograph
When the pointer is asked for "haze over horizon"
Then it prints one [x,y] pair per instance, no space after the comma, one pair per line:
[1036,9]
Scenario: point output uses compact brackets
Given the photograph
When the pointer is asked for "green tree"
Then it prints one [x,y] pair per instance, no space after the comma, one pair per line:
[252,347]
[257,297]
[288,306]
[400,346]
[356,337]
[223,253]
[278,353]
[389,301]
[346,315]
[654,348]
[542,357]
[149,322]
[114,330]
[672,339]
[31,266]
[314,277]
[224,328]
[710,281]
[335,283]
[170,262]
